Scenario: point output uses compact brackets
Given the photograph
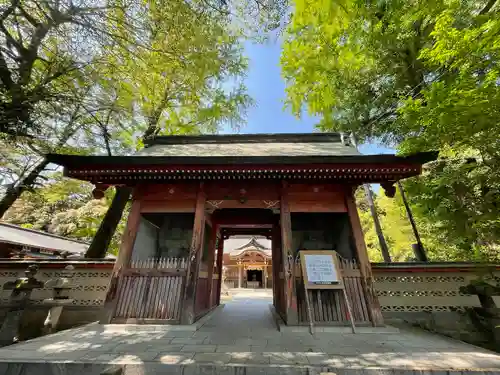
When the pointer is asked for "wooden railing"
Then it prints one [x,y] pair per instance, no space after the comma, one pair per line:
[151,290]
[328,306]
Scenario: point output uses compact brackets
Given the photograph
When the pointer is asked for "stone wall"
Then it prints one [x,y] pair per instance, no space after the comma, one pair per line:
[429,296]
[90,285]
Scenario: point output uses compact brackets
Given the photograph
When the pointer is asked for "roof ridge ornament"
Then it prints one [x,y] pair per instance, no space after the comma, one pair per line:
[346,140]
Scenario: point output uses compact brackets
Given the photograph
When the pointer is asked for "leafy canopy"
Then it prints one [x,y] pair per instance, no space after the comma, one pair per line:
[419,75]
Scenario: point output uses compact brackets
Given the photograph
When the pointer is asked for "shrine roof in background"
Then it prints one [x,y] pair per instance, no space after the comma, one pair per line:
[238,245]
[36,239]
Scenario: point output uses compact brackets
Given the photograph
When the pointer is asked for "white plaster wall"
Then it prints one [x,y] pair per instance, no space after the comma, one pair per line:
[145,241]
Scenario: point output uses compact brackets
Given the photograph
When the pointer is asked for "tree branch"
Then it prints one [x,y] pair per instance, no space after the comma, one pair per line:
[487,7]
[8,11]
[28,17]
[5,74]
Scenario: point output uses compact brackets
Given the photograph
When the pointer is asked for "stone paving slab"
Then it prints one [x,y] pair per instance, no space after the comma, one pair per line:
[109,345]
[242,339]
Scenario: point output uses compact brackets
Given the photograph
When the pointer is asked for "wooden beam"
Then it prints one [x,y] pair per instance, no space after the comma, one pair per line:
[275,265]
[220,252]
[250,218]
[208,219]
[246,226]
[288,258]
[363,260]
[164,206]
[267,232]
[188,305]
[128,237]
[123,259]
[235,190]
[210,262]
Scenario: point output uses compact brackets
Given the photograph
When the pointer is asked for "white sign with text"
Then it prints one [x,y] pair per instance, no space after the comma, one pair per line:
[320,269]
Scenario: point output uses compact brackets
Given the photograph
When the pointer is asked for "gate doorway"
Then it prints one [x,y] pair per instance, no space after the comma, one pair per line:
[250,245]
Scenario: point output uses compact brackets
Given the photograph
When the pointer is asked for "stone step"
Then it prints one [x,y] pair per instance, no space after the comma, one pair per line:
[61,368]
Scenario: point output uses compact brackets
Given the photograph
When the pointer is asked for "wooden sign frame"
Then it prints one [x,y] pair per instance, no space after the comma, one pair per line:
[335,260]
[339,285]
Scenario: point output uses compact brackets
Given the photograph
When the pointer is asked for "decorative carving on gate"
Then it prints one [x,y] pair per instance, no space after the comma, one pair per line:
[215,204]
[271,204]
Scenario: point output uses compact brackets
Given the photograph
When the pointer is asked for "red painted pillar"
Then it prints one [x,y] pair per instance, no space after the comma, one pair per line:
[220,253]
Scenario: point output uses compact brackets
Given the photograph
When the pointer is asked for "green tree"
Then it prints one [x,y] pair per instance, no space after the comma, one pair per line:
[65,207]
[182,90]
[170,78]
[46,45]
[395,227]
[456,203]
[420,76]
[399,234]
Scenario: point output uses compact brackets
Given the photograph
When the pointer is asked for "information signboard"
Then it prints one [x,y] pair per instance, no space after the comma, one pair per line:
[320,269]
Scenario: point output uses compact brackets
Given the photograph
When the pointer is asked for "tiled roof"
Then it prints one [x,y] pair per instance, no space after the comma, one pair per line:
[314,144]
[237,245]
[14,234]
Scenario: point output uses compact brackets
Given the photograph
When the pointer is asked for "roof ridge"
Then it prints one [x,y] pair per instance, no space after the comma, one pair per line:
[245,138]
[43,233]
[253,241]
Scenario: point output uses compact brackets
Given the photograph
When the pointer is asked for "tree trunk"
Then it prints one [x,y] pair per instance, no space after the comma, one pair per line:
[418,248]
[102,238]
[373,210]
[15,192]
[378,228]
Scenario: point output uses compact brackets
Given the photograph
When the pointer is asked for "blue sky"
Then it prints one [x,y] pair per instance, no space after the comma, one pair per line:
[266,86]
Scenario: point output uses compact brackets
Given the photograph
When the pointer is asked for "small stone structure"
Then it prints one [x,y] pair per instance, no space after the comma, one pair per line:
[21,290]
[61,287]
[89,284]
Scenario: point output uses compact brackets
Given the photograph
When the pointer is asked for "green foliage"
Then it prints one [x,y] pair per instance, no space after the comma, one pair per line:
[64,207]
[99,79]
[395,226]
[435,235]
[457,202]
[420,76]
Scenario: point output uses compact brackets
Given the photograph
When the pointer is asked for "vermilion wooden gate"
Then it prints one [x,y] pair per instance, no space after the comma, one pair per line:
[151,291]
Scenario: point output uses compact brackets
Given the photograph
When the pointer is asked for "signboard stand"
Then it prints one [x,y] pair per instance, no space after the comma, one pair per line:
[309,311]
[320,270]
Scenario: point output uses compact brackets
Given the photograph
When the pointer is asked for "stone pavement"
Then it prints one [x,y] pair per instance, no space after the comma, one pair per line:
[241,338]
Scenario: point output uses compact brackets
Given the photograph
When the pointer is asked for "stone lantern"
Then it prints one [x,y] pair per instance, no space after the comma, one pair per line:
[21,289]
[61,287]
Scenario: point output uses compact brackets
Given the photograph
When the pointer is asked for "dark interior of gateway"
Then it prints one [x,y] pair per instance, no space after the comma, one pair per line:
[255,276]
[170,234]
